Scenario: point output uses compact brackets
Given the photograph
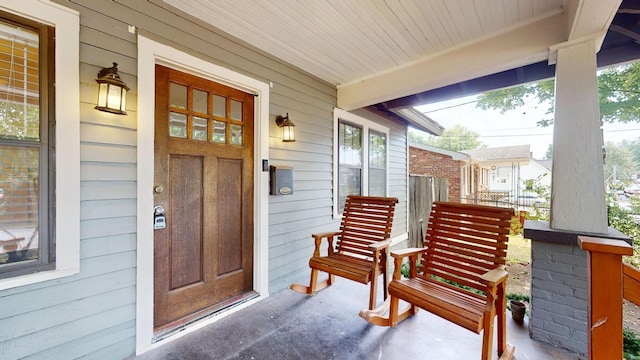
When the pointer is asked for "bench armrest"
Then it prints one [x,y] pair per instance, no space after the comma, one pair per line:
[407,252]
[380,245]
[317,238]
[399,255]
[493,277]
[326,234]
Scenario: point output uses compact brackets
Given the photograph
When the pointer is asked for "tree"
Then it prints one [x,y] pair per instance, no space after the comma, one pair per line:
[418,136]
[549,154]
[619,164]
[634,147]
[619,93]
[456,138]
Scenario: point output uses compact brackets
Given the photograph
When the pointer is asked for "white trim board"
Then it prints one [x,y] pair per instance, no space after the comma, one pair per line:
[151,53]
[67,94]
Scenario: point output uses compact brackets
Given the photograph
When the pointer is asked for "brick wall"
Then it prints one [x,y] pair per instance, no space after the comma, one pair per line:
[424,162]
[559,295]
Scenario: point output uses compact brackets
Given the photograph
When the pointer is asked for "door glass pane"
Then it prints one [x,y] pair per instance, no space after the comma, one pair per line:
[19,169]
[19,83]
[236,110]
[178,96]
[236,134]
[200,101]
[219,106]
[177,125]
[199,128]
[219,132]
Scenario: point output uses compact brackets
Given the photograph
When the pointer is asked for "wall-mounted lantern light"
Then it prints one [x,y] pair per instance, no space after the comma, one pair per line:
[112,91]
[288,132]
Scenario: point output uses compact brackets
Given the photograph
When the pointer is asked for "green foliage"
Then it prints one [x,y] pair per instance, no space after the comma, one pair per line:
[456,138]
[619,95]
[619,163]
[622,220]
[631,345]
[404,269]
[418,136]
[516,227]
[634,147]
[518,297]
[549,153]
[516,97]
[540,212]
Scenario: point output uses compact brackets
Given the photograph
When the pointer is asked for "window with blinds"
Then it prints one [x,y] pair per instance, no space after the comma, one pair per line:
[26,244]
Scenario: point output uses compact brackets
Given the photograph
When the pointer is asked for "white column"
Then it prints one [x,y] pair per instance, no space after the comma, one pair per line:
[578,192]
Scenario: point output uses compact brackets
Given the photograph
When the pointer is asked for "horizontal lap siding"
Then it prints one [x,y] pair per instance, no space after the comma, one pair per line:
[93,313]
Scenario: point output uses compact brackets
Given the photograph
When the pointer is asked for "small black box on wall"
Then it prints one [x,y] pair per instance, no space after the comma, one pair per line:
[281,180]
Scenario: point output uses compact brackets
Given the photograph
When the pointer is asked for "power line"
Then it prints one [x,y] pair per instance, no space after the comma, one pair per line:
[516,135]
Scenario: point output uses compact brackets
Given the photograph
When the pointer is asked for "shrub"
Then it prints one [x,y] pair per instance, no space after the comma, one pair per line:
[622,220]
[631,345]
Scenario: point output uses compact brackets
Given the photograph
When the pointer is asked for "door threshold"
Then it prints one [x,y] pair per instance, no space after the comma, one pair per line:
[178,326]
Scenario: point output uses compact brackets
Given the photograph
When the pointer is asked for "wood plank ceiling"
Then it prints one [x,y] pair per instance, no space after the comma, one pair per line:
[377,51]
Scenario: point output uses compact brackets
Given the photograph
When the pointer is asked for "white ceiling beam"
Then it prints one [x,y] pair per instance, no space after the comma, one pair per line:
[587,18]
[520,46]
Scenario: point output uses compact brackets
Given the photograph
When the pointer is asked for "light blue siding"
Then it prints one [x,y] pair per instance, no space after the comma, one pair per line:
[92,314]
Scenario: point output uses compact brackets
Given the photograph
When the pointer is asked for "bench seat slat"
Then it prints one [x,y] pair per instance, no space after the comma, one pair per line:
[455,306]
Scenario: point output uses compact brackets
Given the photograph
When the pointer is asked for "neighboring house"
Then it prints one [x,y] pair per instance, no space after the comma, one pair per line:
[481,174]
[490,173]
[158,214]
[438,163]
[538,171]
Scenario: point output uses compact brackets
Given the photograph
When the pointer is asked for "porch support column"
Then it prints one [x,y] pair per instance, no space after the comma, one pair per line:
[558,265]
[578,191]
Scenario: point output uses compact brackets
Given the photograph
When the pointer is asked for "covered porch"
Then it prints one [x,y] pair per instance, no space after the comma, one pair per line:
[289,325]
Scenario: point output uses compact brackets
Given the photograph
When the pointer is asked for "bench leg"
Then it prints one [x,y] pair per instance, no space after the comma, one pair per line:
[501,308]
[373,292]
[314,286]
[385,284]
[487,334]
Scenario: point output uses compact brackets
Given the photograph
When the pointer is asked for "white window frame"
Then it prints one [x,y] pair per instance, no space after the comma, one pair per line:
[67,113]
[366,125]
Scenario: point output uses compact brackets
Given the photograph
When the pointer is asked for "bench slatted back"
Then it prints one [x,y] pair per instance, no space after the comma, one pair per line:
[464,241]
[365,220]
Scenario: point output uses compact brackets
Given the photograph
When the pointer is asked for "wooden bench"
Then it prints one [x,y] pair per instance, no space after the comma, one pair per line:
[361,251]
[459,275]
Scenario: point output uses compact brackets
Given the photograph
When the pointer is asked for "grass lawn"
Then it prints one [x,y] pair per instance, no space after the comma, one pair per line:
[519,250]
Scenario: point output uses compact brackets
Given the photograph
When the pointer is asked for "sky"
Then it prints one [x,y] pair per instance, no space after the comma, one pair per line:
[515,127]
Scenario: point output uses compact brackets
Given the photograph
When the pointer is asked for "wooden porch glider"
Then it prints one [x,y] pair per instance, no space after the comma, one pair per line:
[361,253]
[459,275]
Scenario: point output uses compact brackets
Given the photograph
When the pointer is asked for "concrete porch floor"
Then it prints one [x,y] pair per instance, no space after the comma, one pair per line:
[289,325]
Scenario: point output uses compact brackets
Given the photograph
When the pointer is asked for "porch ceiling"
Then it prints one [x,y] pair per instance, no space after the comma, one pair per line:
[377,51]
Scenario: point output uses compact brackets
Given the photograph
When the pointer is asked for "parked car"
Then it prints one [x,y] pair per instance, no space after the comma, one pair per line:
[526,199]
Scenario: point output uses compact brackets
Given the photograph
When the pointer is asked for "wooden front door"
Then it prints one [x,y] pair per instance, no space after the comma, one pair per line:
[203,259]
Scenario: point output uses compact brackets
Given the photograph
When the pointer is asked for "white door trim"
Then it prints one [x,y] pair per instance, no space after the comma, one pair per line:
[151,53]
